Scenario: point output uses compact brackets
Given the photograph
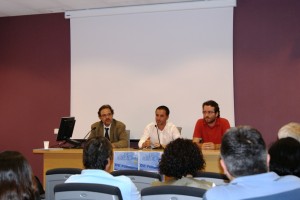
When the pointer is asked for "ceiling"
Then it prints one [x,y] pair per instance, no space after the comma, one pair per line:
[32,7]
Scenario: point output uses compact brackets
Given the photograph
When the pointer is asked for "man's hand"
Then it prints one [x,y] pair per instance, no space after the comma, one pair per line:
[208,146]
[147,143]
[156,145]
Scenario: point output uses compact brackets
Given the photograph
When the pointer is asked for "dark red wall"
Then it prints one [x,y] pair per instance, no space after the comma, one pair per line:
[267,64]
[35,73]
[34,82]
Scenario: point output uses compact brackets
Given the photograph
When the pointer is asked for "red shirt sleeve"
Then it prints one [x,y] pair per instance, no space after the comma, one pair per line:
[198,129]
[225,125]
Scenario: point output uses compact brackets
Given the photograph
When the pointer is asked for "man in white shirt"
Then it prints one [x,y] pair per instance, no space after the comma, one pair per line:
[97,159]
[159,133]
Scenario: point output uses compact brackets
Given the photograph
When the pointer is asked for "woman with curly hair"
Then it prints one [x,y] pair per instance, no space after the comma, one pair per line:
[16,179]
[180,162]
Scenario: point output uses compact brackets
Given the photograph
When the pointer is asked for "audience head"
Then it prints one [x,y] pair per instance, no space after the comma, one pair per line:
[285,157]
[16,178]
[291,129]
[181,157]
[243,152]
[97,153]
[213,104]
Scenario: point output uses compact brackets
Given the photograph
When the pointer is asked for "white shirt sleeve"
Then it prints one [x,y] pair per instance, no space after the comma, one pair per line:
[146,134]
[169,134]
[135,194]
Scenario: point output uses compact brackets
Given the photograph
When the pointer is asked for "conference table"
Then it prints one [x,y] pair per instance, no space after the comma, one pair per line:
[64,158]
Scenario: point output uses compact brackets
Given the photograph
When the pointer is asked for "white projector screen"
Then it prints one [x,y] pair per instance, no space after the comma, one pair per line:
[137,59]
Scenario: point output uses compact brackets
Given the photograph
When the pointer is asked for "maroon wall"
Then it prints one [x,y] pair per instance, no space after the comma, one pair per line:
[35,73]
[34,81]
[267,64]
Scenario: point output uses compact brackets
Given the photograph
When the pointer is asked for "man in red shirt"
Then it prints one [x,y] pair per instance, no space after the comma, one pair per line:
[208,131]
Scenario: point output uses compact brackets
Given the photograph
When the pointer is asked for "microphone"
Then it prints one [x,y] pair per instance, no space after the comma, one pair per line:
[159,147]
[89,132]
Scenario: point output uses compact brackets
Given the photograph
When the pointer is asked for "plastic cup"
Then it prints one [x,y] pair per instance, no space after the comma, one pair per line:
[46,144]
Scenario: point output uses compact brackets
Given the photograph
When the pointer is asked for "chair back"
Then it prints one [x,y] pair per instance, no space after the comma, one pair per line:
[57,176]
[141,179]
[216,178]
[167,192]
[86,191]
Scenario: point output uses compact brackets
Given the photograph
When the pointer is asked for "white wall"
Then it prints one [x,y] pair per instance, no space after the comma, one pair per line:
[138,59]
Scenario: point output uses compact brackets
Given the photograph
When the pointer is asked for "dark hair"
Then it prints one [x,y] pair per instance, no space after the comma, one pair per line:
[105,107]
[285,157]
[212,104]
[165,108]
[16,178]
[96,152]
[11,191]
[180,158]
[244,151]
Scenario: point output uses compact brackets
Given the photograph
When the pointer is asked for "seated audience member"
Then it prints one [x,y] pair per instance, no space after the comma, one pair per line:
[285,157]
[180,162]
[291,129]
[16,178]
[159,133]
[110,128]
[208,131]
[245,160]
[97,160]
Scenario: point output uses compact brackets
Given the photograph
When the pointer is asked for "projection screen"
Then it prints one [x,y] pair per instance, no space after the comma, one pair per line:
[138,58]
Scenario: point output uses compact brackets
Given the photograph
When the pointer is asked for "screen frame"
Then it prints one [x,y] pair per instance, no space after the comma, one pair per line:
[66,128]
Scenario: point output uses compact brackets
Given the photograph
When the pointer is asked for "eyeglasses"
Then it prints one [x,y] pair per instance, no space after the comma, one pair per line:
[208,112]
[106,115]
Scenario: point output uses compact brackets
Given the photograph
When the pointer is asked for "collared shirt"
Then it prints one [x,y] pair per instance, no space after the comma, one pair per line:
[211,134]
[258,185]
[126,186]
[104,127]
[164,137]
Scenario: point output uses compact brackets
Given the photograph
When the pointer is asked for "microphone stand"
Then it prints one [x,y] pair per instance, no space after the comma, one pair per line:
[89,132]
[78,144]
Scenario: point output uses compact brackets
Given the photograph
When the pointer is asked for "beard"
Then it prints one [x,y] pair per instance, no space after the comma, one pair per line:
[210,120]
